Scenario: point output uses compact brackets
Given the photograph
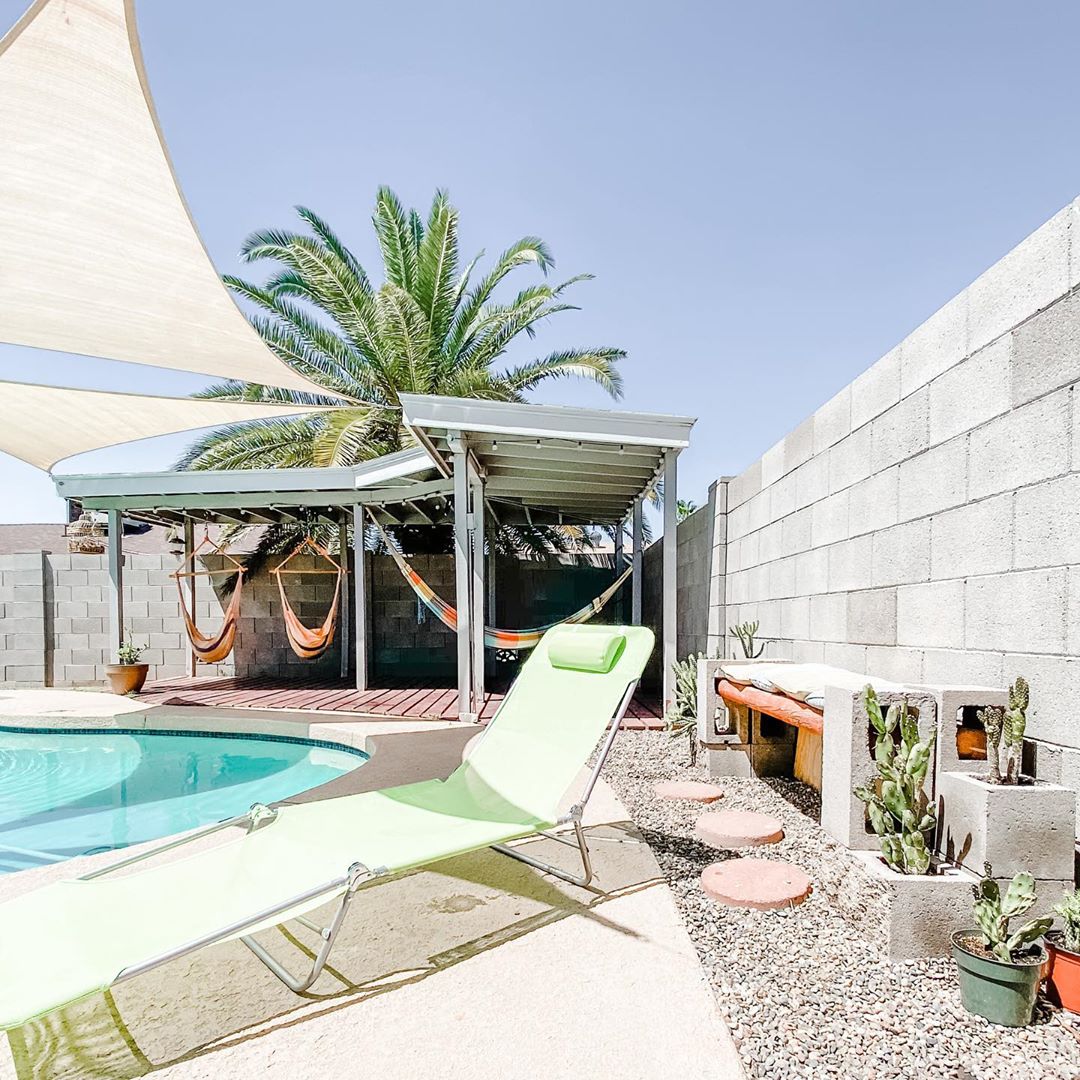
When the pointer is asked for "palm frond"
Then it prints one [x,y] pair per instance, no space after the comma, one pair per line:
[348,436]
[595,365]
[395,239]
[437,267]
[330,238]
[254,444]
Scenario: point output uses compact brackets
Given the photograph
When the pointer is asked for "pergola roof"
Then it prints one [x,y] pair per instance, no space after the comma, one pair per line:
[542,464]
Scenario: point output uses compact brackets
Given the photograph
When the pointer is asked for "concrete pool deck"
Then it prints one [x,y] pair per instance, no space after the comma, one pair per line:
[478,967]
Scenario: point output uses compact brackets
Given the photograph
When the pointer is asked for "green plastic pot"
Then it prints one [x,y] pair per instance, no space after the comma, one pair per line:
[1001,993]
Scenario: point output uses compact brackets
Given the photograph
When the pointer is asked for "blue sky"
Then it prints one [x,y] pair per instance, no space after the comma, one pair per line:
[770,194]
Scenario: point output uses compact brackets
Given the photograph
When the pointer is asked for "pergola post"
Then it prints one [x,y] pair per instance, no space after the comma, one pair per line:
[635,580]
[359,589]
[116,582]
[463,581]
[619,530]
[670,594]
[343,558]
[189,547]
[476,524]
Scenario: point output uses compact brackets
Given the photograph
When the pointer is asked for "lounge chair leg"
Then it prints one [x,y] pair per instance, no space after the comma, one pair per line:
[358,874]
[583,880]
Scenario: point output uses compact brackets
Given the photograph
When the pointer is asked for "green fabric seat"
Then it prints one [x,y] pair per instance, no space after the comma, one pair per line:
[72,939]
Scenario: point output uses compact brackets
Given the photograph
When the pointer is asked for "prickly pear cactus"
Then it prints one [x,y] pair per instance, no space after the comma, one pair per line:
[1005,733]
[993,913]
[896,802]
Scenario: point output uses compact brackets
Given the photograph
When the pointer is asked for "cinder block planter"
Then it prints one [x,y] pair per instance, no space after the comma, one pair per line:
[957,707]
[920,912]
[848,763]
[1014,827]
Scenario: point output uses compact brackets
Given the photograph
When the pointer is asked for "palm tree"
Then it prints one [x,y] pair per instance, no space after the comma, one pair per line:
[428,329]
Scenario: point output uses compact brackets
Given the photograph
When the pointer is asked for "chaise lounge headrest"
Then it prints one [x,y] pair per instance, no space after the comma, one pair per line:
[586,649]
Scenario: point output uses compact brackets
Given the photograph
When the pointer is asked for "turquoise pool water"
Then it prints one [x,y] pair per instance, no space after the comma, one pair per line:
[68,793]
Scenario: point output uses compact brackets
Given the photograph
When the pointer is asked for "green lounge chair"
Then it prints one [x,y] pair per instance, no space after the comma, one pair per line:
[75,938]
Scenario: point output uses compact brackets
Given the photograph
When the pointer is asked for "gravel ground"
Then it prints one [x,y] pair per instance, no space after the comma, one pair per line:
[808,992]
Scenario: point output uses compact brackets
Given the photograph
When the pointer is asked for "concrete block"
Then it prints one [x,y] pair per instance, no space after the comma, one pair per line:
[974,539]
[874,502]
[829,522]
[799,444]
[797,531]
[808,652]
[935,480]
[847,760]
[850,564]
[795,618]
[828,617]
[1015,828]
[1023,447]
[902,431]
[782,579]
[742,488]
[876,389]
[782,500]
[895,664]
[1048,523]
[24,674]
[972,392]
[812,481]
[871,617]
[962,666]
[957,707]
[1046,351]
[772,464]
[849,460]
[1053,680]
[770,545]
[812,571]
[1028,279]
[934,346]
[832,421]
[917,913]
[1024,611]
[901,554]
[930,615]
[733,760]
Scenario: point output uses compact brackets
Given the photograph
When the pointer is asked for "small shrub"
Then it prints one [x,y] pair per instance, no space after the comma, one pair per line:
[680,720]
[129,652]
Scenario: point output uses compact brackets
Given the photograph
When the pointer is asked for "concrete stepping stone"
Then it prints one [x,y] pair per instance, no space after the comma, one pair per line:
[760,884]
[692,790]
[738,829]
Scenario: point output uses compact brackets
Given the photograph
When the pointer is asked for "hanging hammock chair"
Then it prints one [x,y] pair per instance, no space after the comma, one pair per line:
[494,638]
[210,648]
[309,644]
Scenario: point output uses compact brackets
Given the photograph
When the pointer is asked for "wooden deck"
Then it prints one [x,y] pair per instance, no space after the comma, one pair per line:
[336,696]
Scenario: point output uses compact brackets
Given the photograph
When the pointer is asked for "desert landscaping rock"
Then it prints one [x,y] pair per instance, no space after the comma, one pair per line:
[808,992]
[688,791]
[760,884]
[734,829]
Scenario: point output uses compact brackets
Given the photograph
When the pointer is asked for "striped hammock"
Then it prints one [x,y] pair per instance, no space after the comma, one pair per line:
[494,638]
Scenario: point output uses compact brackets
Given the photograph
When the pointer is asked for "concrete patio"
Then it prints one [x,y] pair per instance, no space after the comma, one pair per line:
[477,967]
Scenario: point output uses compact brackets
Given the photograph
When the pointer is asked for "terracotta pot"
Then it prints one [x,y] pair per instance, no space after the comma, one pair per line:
[126,678]
[1063,982]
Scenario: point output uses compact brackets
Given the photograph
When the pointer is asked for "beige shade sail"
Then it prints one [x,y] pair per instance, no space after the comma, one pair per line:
[98,253]
[45,424]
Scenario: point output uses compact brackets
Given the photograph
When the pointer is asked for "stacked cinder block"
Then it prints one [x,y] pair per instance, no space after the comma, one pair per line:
[23,625]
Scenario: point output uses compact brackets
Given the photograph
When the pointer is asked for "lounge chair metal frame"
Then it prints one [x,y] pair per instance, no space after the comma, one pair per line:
[358,875]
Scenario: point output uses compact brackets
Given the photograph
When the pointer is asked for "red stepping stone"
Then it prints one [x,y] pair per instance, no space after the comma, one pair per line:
[761,884]
[738,829]
[693,790]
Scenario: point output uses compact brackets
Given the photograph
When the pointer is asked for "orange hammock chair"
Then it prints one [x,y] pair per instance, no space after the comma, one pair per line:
[309,644]
[210,648]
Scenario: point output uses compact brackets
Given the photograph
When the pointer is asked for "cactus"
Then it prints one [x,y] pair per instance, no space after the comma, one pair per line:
[896,802]
[993,914]
[681,716]
[745,632]
[1069,910]
[1005,733]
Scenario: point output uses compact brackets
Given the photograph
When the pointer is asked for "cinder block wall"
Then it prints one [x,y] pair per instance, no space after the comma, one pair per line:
[924,524]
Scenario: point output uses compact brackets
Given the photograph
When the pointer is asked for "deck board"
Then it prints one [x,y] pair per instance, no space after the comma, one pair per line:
[327,694]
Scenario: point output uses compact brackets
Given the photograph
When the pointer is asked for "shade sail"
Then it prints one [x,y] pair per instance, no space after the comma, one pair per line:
[98,254]
[45,424]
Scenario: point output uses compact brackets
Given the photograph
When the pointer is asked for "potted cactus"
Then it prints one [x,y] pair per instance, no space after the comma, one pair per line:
[1005,734]
[999,968]
[1063,982]
[128,675]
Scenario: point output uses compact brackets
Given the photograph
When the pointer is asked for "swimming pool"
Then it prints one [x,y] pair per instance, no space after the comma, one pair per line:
[76,792]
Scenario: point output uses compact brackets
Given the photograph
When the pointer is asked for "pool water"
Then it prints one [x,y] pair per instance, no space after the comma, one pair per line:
[68,793]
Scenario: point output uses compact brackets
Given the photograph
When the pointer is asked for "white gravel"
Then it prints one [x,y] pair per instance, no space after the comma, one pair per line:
[808,992]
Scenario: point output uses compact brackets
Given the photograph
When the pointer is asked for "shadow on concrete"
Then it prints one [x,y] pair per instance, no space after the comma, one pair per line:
[399,933]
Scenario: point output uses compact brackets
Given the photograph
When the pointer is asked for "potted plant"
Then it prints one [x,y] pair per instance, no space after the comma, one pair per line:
[999,970]
[128,675]
[1063,946]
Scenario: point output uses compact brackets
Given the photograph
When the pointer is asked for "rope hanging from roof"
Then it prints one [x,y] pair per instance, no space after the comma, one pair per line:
[307,643]
[494,638]
[210,648]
